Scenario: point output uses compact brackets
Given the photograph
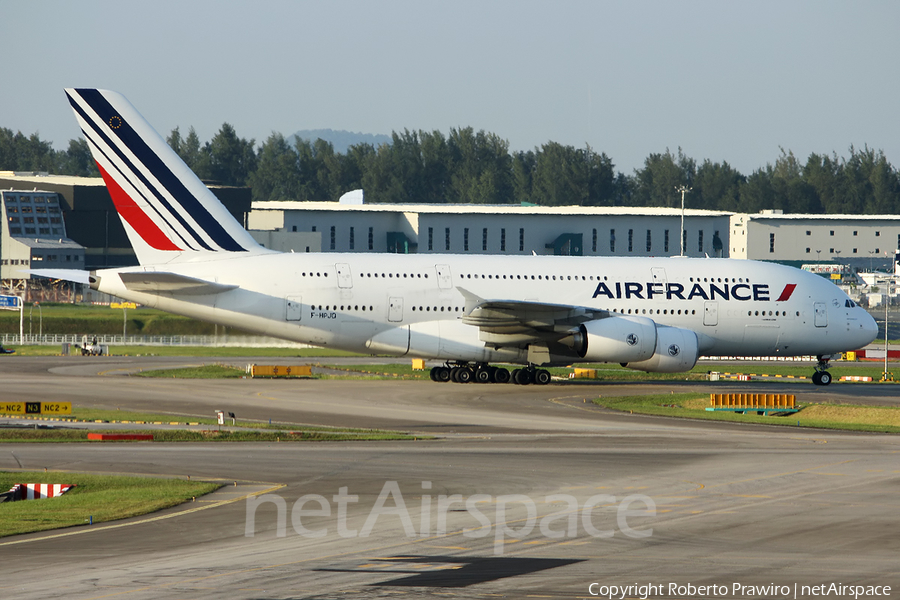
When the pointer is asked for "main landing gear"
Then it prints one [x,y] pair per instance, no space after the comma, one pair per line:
[485,373]
[822,376]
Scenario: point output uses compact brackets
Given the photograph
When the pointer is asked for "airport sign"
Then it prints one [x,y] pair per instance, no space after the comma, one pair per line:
[36,408]
[9,302]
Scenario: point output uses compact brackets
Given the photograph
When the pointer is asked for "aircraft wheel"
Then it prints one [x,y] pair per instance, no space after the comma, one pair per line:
[454,374]
[482,375]
[442,374]
[501,375]
[433,373]
[464,375]
[522,376]
[542,377]
[824,378]
[816,378]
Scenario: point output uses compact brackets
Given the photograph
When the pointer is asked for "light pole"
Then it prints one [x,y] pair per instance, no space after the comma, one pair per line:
[683,190]
[889,285]
[40,316]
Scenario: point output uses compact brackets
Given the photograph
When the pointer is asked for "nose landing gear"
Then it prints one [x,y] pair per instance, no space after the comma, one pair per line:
[822,376]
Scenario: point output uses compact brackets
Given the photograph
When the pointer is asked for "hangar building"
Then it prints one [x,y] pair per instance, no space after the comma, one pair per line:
[482,229]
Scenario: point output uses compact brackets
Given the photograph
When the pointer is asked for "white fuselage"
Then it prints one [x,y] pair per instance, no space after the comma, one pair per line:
[413,304]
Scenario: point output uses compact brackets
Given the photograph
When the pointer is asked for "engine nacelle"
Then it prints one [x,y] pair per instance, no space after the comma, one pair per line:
[616,339]
[677,350]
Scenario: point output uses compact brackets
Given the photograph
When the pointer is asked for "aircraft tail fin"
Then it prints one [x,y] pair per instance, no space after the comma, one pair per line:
[168,213]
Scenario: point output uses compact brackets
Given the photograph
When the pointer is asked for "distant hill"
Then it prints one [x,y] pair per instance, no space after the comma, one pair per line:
[341,140]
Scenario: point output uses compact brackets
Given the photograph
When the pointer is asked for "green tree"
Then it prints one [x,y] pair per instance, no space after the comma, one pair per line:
[480,167]
[354,164]
[601,176]
[227,158]
[825,174]
[792,193]
[757,192]
[277,174]
[656,183]
[190,150]
[524,165]
[716,186]
[77,160]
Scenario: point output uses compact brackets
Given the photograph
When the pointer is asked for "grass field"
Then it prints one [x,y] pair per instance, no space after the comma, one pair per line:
[103,497]
[206,351]
[248,431]
[825,416]
[208,435]
[613,372]
[90,320]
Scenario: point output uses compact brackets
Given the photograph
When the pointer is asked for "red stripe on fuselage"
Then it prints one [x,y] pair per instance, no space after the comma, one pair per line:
[135,216]
[786,292]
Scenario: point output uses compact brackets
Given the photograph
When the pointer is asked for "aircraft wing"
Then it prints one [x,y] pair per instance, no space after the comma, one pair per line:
[517,322]
[172,283]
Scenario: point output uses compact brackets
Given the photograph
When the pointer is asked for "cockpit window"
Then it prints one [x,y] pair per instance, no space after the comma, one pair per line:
[849,303]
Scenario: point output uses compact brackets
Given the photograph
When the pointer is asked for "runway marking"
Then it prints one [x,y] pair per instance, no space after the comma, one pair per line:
[746,496]
[92,529]
[809,470]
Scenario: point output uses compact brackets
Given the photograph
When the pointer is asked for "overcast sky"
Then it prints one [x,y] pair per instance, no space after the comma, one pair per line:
[727,81]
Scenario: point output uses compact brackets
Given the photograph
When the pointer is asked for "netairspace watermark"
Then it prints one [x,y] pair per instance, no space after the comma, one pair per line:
[736,590]
[432,517]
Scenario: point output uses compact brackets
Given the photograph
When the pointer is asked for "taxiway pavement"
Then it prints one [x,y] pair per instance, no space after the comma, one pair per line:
[525,492]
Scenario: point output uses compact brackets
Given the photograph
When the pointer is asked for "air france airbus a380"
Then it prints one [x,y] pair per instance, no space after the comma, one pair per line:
[651,314]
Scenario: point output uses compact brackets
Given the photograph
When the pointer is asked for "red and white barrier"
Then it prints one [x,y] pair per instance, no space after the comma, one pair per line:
[855,378]
[38,491]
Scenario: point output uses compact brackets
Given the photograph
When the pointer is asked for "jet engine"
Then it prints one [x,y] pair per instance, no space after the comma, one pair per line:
[677,350]
[614,339]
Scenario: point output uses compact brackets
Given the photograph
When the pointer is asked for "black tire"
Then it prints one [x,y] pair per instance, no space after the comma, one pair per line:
[433,373]
[482,376]
[542,377]
[454,374]
[816,378]
[443,374]
[522,376]
[501,375]
[824,378]
[464,375]
[515,376]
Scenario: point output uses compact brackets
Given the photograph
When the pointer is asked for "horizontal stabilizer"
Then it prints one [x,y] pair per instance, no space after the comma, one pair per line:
[75,275]
[171,283]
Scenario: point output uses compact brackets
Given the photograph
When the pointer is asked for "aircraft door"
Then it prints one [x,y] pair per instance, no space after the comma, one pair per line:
[443,275]
[711,312]
[395,309]
[658,275]
[821,315]
[293,308]
[345,279]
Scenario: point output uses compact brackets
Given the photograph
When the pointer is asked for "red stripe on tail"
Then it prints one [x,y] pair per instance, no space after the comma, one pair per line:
[136,217]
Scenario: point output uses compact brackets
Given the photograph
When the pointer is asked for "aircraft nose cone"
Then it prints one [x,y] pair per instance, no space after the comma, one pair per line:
[869,329]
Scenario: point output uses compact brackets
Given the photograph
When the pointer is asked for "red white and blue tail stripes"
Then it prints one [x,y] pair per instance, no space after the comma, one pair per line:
[168,213]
